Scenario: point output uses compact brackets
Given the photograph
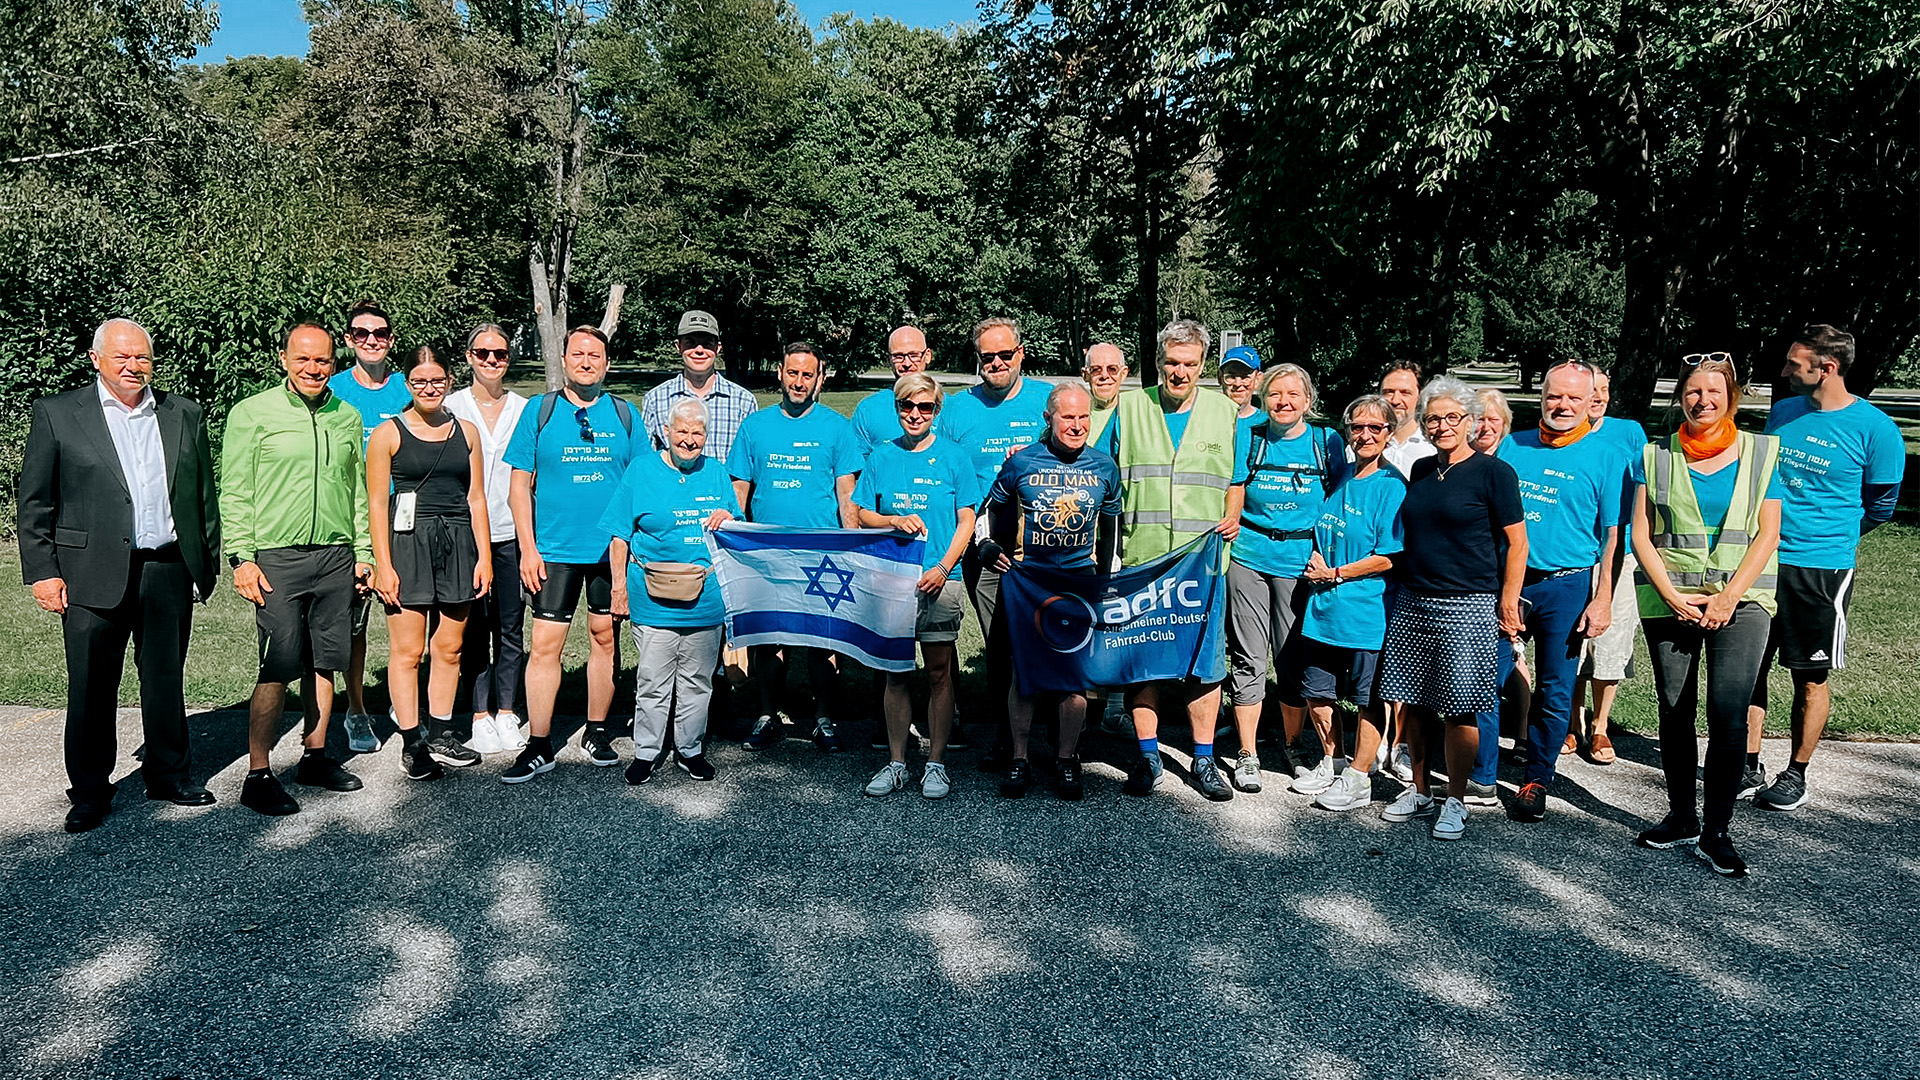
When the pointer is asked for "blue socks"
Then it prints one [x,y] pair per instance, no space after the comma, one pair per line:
[1202,750]
[1149,747]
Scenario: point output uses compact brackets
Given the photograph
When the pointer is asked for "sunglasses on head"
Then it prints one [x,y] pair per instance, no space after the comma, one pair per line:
[488,354]
[361,333]
[927,407]
[1694,360]
[586,428]
[1005,356]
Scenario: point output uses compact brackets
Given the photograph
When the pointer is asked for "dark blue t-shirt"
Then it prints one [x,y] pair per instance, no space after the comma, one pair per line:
[1060,503]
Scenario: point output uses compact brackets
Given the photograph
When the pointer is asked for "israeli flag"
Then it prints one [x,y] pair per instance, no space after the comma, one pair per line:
[849,590]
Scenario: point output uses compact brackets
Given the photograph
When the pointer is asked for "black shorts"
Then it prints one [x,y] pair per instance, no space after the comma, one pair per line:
[1333,673]
[306,623]
[560,594]
[1811,628]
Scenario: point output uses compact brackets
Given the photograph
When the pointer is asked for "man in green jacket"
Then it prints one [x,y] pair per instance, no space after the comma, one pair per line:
[292,482]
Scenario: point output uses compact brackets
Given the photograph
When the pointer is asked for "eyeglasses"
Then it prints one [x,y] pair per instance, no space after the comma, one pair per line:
[1451,420]
[927,407]
[428,384]
[488,354]
[586,429]
[1005,356]
[1369,429]
[361,333]
[901,357]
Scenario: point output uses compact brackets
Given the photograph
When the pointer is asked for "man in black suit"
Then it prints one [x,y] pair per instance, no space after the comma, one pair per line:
[119,535]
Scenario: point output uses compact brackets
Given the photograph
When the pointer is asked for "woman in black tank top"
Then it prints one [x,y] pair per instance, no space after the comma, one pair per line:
[427,499]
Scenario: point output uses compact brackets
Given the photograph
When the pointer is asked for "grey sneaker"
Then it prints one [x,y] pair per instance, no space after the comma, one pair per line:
[1401,763]
[1351,790]
[891,778]
[360,737]
[933,782]
[1479,794]
[1752,781]
[1206,776]
[1411,804]
[1246,772]
[1315,780]
[1452,822]
[1787,792]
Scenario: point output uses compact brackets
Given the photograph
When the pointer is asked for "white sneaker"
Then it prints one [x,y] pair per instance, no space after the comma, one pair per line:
[1402,763]
[486,738]
[512,735]
[933,783]
[1246,771]
[1315,780]
[1411,804]
[891,778]
[1452,823]
[1351,790]
[360,736]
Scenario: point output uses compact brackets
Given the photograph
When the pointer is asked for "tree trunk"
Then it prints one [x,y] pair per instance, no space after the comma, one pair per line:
[549,315]
[610,320]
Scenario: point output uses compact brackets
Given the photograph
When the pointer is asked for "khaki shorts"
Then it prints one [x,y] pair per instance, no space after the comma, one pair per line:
[941,614]
[1609,657]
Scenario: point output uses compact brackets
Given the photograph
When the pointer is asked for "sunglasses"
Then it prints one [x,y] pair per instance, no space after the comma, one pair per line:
[488,354]
[361,333]
[1005,356]
[927,407]
[1694,360]
[428,384]
[586,429]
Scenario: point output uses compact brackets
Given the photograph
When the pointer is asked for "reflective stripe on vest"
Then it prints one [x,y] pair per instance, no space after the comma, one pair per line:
[1680,530]
[1168,497]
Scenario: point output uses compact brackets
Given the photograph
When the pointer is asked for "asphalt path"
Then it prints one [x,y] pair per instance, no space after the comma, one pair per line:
[776,922]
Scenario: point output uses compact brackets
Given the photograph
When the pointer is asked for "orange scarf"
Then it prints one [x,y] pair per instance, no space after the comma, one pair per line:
[1715,441]
[1554,440]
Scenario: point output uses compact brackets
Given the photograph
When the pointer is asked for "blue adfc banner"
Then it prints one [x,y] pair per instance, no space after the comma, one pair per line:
[1163,620]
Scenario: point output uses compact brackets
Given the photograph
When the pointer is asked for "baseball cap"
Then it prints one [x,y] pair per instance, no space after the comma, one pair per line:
[699,322]
[1243,357]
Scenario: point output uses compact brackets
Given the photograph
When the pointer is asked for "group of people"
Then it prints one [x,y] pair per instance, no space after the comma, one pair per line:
[1399,560]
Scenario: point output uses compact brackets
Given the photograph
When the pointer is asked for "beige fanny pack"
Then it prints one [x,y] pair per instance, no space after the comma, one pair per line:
[675,580]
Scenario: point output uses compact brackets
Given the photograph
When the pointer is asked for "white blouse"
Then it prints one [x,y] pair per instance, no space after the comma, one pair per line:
[493,449]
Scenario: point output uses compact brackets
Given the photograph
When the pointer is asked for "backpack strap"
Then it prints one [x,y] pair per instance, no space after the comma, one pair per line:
[622,408]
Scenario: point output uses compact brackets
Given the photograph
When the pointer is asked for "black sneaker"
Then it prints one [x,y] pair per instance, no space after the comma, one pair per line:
[419,761]
[826,736]
[1206,775]
[1530,802]
[696,766]
[1019,775]
[598,743]
[766,732]
[1068,785]
[639,771]
[1143,775]
[1752,781]
[1787,792]
[264,795]
[447,751]
[529,764]
[319,770]
[1717,850]
[1672,832]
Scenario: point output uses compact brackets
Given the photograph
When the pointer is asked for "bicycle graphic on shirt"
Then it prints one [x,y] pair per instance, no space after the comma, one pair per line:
[1066,512]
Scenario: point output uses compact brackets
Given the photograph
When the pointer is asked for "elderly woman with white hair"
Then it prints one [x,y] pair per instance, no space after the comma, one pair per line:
[1459,590]
[659,518]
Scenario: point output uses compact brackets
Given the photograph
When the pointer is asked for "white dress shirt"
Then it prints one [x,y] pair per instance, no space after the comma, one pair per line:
[143,461]
[1402,455]
[493,451]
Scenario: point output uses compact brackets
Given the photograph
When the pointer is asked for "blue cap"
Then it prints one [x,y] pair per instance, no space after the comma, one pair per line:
[1244,356]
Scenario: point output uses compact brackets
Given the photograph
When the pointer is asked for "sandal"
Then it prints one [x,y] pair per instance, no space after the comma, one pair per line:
[1572,745]
[1600,749]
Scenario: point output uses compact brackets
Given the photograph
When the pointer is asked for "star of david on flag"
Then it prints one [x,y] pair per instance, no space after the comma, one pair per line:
[849,590]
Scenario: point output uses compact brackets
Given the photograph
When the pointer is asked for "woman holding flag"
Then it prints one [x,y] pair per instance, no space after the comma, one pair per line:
[922,485]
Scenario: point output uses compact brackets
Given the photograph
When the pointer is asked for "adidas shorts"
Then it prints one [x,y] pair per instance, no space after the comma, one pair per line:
[1811,628]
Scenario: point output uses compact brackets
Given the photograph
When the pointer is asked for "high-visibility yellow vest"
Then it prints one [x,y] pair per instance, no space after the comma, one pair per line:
[1680,531]
[1167,497]
[1097,421]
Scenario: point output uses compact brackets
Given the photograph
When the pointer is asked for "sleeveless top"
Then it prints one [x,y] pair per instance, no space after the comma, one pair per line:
[438,472]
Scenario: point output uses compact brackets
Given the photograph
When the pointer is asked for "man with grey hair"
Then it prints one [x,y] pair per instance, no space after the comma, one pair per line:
[121,569]
[1106,374]
[1570,488]
[1182,453]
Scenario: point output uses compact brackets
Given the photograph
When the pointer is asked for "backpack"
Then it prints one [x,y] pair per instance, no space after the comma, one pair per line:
[551,398]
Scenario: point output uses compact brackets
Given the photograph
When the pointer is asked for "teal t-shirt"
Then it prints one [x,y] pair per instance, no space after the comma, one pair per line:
[376,406]
[794,464]
[1714,493]
[1285,489]
[1571,496]
[990,431]
[1360,518]
[877,420]
[934,482]
[574,476]
[661,513]
[1828,459]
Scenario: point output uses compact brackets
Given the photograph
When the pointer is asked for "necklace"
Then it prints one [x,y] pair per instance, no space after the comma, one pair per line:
[1442,470]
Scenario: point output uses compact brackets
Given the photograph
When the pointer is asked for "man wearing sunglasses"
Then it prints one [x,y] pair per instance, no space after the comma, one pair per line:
[1571,486]
[728,403]
[1842,461]
[874,418]
[796,466]
[370,387]
[1002,413]
[568,453]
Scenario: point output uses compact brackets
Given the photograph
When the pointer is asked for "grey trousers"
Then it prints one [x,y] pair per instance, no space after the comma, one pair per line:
[674,680]
[1263,612]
